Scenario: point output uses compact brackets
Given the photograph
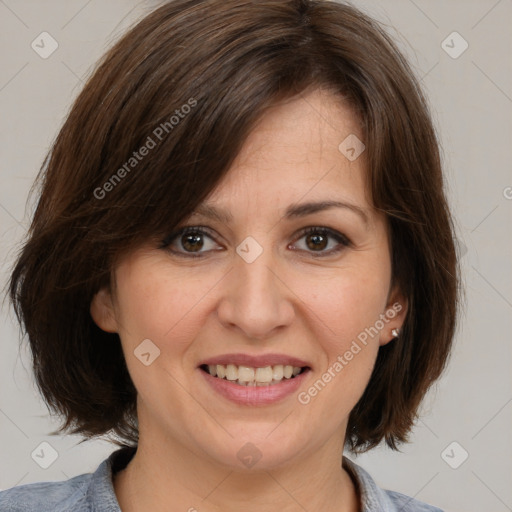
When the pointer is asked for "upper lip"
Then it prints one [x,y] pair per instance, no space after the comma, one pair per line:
[259,361]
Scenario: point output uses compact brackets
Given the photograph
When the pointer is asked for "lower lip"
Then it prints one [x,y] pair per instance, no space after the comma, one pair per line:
[255,395]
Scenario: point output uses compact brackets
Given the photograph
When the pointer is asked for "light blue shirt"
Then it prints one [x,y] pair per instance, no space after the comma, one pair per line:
[94,492]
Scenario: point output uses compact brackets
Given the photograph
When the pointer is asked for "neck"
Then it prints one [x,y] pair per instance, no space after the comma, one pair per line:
[164,475]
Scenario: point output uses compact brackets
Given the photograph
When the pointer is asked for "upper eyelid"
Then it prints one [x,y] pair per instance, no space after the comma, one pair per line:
[183,229]
[333,233]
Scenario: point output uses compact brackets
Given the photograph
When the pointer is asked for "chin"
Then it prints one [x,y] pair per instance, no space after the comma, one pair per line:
[263,449]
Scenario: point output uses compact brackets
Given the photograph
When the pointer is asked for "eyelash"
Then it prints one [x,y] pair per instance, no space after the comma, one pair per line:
[202,230]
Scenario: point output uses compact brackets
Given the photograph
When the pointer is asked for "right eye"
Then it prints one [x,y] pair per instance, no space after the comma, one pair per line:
[188,242]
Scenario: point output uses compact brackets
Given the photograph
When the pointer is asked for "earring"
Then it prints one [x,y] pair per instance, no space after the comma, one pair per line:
[395,332]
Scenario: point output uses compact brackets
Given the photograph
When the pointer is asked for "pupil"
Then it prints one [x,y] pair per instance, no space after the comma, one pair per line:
[195,244]
[316,239]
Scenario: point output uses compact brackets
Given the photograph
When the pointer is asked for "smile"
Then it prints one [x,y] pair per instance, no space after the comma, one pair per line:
[254,380]
[253,376]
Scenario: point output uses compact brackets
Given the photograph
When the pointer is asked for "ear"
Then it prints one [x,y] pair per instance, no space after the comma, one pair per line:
[102,311]
[396,311]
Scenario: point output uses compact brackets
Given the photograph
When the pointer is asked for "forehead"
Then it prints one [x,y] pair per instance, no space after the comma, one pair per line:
[293,156]
[307,126]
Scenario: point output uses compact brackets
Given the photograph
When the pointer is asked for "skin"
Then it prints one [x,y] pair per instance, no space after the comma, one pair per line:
[286,301]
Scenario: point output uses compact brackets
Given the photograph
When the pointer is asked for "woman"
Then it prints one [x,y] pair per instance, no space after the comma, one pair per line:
[242,261]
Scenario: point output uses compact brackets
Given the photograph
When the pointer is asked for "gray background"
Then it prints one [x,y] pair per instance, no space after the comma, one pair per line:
[471,97]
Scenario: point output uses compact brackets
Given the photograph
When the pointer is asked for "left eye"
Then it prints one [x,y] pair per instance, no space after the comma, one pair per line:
[317,239]
[191,239]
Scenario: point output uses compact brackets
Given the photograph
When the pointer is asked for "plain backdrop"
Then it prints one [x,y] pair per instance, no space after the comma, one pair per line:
[460,455]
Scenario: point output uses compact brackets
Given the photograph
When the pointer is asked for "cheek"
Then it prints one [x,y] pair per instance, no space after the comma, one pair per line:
[344,312]
[166,309]
[157,305]
[346,305]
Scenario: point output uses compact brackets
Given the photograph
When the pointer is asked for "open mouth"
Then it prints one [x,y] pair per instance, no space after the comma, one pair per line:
[250,376]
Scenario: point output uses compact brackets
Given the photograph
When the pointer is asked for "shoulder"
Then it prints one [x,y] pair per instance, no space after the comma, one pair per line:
[47,496]
[407,504]
[82,493]
[375,499]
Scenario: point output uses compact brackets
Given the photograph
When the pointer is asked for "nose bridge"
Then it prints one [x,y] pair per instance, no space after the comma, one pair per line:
[255,300]
[255,270]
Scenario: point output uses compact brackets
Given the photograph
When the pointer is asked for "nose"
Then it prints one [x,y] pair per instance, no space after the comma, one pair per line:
[255,299]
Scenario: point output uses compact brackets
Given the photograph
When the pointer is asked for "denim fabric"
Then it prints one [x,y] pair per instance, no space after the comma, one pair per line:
[94,492]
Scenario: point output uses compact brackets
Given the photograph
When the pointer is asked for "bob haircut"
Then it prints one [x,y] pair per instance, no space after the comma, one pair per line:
[152,133]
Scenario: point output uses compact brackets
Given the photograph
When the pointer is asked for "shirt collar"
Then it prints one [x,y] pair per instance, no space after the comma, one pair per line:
[101,494]
[372,498]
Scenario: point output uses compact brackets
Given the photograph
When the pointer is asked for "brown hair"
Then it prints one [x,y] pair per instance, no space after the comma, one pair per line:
[194,76]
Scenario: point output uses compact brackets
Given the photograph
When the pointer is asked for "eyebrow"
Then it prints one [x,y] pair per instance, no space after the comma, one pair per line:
[292,212]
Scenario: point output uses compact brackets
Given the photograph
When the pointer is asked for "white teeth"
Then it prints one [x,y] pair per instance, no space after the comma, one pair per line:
[264,375]
[278,372]
[248,376]
[221,371]
[245,374]
[231,372]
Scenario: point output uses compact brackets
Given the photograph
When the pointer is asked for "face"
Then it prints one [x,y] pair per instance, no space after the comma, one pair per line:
[266,284]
